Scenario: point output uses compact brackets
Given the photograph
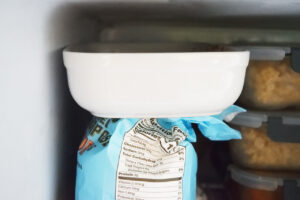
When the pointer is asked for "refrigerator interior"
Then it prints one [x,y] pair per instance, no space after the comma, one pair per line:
[42,126]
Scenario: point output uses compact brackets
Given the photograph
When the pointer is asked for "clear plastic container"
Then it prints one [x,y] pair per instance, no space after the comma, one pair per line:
[271,84]
[263,185]
[270,141]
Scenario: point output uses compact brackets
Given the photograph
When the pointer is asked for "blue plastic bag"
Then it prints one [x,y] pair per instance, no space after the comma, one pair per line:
[144,159]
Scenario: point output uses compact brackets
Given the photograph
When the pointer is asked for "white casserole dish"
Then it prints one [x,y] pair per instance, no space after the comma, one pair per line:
[153,80]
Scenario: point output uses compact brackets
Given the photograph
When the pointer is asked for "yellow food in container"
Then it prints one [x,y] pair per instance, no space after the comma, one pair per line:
[271,85]
[257,151]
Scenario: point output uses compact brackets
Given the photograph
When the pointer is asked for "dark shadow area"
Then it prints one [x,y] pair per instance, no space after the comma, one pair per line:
[67,25]
[243,14]
[213,160]
[72,121]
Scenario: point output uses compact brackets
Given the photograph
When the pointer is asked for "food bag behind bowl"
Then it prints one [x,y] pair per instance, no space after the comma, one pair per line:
[143,159]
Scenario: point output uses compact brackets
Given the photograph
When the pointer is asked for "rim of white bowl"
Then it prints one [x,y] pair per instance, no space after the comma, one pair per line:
[143,48]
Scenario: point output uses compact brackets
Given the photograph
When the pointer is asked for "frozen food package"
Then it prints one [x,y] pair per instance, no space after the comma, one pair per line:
[145,159]
[271,85]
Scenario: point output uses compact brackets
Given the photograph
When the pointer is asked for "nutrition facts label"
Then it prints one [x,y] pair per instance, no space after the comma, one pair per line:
[151,163]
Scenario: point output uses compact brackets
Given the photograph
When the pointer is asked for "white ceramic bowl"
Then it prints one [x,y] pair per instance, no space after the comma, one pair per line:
[135,81]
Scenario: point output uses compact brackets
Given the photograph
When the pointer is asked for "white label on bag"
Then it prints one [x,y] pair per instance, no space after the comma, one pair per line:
[151,163]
